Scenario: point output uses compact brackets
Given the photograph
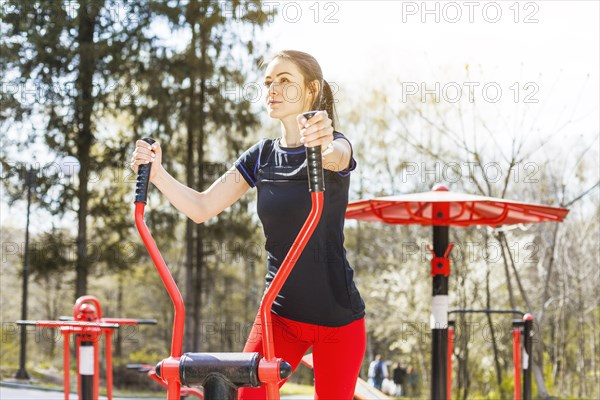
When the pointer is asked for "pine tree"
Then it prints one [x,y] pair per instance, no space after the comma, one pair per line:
[69,63]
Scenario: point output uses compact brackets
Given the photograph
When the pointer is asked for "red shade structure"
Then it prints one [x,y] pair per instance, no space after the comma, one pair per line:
[464,210]
[442,209]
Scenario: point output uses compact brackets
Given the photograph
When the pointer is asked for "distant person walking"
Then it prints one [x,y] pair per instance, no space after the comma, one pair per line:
[412,380]
[377,372]
[399,375]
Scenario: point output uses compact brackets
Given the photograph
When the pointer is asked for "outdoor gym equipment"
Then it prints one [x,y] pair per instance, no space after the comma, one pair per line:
[88,326]
[442,209]
[222,374]
[522,330]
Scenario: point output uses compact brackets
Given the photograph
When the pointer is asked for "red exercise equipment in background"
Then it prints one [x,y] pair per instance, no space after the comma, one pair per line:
[88,326]
[522,331]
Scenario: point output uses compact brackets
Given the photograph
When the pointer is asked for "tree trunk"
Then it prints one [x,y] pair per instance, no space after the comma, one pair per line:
[493,333]
[190,168]
[581,370]
[250,306]
[84,108]
[464,372]
[538,347]
[118,342]
[511,297]
[539,380]
[198,288]
[50,306]
[593,352]
[200,122]
[488,303]
[229,328]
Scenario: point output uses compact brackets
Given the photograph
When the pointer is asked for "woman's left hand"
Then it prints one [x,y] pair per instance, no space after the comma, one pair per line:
[316,131]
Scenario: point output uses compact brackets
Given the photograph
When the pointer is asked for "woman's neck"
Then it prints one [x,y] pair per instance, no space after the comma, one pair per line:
[290,133]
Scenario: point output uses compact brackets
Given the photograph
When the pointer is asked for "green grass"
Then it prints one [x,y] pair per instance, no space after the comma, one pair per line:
[295,388]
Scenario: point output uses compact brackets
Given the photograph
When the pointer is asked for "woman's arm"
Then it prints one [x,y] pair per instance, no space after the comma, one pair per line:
[339,158]
[198,206]
[202,206]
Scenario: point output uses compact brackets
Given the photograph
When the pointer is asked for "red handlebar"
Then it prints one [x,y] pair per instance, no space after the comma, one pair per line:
[284,271]
[169,368]
[167,279]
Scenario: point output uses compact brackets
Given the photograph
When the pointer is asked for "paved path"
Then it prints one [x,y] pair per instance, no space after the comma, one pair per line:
[27,392]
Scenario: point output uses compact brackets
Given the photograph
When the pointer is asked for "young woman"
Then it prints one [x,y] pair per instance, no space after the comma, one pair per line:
[319,305]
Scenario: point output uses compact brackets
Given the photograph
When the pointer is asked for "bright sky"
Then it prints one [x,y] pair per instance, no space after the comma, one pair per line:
[361,44]
[404,36]
[552,44]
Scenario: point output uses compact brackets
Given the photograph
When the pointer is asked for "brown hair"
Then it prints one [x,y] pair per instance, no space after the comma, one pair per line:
[311,71]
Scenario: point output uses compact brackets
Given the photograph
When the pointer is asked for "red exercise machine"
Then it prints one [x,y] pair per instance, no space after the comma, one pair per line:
[88,326]
[522,343]
[222,374]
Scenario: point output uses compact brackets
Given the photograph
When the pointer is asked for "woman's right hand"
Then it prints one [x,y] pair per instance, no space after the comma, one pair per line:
[145,153]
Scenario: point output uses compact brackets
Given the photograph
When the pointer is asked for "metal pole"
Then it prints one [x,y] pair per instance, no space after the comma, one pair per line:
[22,372]
[516,332]
[450,351]
[66,363]
[109,369]
[528,356]
[86,368]
[439,319]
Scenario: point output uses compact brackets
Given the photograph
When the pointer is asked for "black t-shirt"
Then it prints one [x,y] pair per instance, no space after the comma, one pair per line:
[320,289]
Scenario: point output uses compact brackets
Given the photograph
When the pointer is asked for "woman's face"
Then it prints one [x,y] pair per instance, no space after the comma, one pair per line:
[287,95]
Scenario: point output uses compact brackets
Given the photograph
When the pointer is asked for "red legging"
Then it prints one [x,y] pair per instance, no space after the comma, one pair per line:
[337,354]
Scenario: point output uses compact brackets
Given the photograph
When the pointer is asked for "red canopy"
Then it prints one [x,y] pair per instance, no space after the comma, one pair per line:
[465,210]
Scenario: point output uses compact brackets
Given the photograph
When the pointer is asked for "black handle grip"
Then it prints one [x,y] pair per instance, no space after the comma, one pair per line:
[143,178]
[240,369]
[314,159]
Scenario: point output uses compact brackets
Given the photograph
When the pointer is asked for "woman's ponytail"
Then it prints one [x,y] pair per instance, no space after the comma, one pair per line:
[328,102]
